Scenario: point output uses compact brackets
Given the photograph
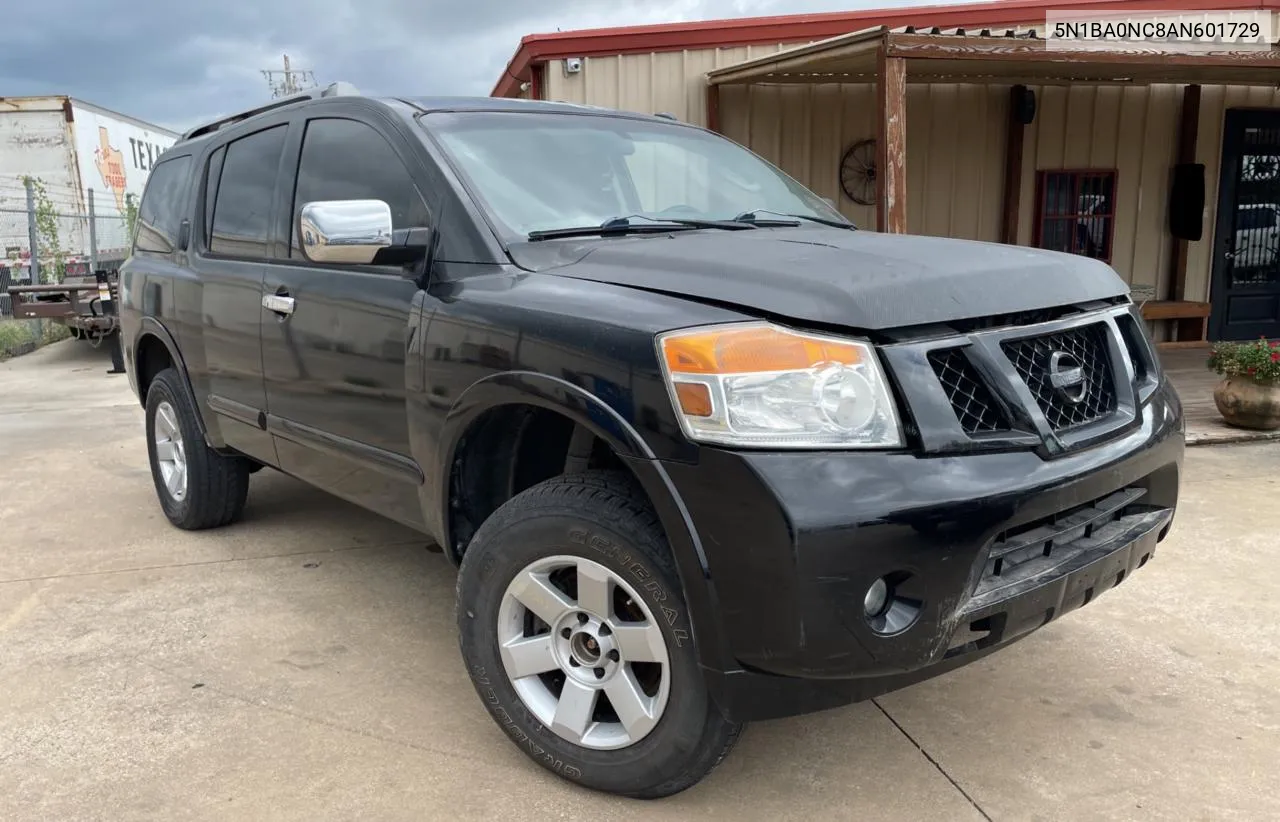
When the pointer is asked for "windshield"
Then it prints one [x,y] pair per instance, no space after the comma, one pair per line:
[540,171]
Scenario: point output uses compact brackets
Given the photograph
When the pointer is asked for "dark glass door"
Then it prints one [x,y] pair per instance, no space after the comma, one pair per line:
[1246,262]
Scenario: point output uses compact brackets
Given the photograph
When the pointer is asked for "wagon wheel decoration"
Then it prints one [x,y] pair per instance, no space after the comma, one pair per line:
[858,172]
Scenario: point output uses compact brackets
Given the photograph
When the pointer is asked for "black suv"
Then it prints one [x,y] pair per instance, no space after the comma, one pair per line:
[703,451]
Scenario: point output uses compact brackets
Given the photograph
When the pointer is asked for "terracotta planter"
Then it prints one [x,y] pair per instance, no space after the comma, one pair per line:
[1244,403]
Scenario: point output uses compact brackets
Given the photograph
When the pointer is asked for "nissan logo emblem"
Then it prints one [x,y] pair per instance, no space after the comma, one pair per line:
[1066,375]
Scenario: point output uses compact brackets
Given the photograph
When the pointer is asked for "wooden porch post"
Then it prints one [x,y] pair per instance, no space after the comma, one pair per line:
[891,144]
[1187,133]
[1013,169]
[713,108]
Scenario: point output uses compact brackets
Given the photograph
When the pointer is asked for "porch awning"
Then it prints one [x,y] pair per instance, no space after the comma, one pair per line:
[1008,57]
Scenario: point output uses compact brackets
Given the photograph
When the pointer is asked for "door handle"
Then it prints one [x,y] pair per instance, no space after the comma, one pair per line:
[279,303]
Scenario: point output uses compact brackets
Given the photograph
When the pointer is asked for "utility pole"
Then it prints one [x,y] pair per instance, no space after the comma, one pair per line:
[290,81]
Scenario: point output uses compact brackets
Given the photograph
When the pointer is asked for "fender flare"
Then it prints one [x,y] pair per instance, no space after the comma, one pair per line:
[151,327]
[589,411]
[527,388]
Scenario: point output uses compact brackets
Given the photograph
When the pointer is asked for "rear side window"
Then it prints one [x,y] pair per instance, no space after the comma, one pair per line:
[161,211]
[348,160]
[241,223]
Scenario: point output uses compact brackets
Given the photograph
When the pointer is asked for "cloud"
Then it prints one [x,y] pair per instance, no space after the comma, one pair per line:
[178,63]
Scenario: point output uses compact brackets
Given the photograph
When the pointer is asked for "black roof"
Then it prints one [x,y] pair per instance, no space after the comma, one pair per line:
[424,104]
[513,104]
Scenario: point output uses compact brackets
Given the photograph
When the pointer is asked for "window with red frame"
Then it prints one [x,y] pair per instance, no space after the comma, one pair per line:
[1075,212]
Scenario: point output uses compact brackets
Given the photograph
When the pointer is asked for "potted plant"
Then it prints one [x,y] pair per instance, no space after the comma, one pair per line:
[1249,397]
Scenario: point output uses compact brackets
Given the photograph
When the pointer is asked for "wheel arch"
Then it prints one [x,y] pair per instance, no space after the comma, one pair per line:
[153,348]
[587,412]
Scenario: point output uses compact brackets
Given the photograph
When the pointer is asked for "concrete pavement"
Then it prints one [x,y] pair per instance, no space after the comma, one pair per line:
[303,665]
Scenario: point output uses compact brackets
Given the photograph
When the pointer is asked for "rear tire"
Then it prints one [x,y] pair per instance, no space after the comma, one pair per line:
[198,487]
[613,636]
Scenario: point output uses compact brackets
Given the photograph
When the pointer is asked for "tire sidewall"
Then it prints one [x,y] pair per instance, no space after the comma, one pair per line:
[159,392]
[488,567]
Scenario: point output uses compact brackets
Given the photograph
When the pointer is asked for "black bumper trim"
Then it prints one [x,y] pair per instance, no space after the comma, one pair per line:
[752,695]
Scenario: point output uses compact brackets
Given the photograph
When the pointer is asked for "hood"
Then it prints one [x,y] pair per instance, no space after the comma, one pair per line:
[859,279]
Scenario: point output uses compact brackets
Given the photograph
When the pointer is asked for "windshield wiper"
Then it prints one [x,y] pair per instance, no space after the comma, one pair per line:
[624,225]
[750,218]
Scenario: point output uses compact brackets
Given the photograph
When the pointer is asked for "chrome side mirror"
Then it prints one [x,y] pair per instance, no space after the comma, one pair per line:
[344,231]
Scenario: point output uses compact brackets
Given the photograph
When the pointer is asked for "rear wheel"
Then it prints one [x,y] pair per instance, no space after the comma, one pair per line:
[577,638]
[198,487]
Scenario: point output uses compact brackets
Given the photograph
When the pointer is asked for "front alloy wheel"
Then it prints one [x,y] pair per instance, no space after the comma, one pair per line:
[583,652]
[578,640]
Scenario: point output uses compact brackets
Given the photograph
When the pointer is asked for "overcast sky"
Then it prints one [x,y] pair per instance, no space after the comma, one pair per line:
[177,62]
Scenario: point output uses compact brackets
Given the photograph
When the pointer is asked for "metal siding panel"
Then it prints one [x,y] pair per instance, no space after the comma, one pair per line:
[1131,122]
[668,89]
[1104,152]
[735,114]
[969,148]
[794,128]
[566,88]
[602,77]
[1078,134]
[822,174]
[920,174]
[942,150]
[694,65]
[1152,242]
[995,120]
[858,123]
[1052,114]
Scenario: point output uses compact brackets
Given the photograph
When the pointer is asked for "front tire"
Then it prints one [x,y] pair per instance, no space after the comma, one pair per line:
[198,487]
[577,638]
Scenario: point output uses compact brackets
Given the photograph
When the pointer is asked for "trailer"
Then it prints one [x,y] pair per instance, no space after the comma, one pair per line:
[92,166]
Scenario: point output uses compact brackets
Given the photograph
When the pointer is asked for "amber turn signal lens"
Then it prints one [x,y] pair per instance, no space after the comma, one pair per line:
[695,399]
[751,350]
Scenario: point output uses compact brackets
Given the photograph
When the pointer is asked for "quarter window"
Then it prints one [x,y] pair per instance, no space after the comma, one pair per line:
[241,223]
[160,213]
[348,160]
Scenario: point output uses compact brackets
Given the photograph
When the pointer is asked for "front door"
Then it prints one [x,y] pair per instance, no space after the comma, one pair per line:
[335,364]
[1246,260]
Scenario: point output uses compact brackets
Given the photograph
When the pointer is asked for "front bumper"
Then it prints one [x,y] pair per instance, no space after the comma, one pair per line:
[982,549]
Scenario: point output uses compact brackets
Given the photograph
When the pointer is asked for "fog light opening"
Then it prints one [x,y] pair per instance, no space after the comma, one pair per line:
[877,599]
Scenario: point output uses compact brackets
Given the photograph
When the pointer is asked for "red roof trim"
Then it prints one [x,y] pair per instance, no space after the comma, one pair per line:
[797,28]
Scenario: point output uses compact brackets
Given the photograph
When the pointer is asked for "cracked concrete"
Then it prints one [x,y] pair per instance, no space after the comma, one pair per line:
[303,665]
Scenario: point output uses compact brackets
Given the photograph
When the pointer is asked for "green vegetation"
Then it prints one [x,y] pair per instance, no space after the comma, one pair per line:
[19,336]
[47,233]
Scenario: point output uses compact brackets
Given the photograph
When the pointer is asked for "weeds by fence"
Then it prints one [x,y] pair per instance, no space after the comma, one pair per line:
[24,336]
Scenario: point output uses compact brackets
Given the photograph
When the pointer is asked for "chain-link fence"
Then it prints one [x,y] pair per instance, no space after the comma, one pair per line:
[71,233]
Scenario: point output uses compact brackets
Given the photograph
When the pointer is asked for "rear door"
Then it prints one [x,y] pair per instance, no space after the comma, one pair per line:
[336,382]
[236,216]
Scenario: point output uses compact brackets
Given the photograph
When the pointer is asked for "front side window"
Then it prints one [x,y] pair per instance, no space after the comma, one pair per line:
[349,160]
[160,213]
[542,171]
[241,224]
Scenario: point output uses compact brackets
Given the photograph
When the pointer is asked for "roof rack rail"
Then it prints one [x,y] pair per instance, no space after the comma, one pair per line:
[332,90]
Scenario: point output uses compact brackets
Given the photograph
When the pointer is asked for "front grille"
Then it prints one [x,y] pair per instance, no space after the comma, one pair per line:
[1085,346]
[970,398]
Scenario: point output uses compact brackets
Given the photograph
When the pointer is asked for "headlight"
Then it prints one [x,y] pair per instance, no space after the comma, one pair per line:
[756,384]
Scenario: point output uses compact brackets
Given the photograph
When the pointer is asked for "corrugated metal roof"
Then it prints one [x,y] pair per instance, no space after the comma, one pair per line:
[936,54]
